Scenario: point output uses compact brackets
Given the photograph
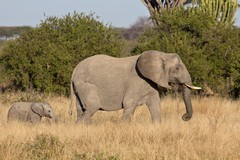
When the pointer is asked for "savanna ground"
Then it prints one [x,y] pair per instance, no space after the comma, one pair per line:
[212,133]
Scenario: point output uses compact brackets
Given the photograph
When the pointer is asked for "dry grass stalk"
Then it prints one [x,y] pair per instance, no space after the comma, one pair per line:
[212,133]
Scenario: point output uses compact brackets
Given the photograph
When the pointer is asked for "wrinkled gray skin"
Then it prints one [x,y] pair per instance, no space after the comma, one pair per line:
[30,112]
[105,83]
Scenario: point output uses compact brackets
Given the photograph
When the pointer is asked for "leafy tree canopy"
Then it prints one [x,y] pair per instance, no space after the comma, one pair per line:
[211,51]
[43,58]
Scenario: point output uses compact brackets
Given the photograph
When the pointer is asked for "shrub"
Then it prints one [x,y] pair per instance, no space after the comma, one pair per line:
[210,51]
[43,58]
[43,147]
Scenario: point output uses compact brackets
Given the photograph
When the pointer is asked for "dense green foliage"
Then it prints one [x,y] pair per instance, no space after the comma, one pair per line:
[43,58]
[210,51]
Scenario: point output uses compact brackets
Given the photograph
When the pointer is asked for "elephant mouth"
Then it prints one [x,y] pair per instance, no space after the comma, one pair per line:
[173,84]
[49,116]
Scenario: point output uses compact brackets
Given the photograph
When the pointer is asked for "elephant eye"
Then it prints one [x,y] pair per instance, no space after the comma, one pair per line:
[178,67]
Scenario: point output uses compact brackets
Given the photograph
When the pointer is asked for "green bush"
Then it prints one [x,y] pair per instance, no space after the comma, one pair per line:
[210,50]
[43,147]
[43,58]
[95,156]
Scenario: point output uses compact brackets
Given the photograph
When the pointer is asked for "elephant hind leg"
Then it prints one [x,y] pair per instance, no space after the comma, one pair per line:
[79,107]
[90,102]
[85,118]
[87,114]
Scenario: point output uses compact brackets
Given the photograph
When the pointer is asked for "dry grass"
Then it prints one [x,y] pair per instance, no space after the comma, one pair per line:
[212,133]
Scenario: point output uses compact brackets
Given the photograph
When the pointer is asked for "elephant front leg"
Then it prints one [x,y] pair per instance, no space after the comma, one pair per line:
[154,107]
[129,107]
[34,118]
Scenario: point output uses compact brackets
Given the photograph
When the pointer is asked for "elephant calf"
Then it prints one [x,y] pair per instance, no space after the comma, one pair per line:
[30,111]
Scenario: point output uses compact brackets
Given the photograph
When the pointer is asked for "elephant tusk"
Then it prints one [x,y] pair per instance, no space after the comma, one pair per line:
[192,87]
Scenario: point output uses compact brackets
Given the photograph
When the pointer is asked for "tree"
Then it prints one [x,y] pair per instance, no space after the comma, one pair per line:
[43,58]
[137,28]
[155,7]
[210,50]
[223,11]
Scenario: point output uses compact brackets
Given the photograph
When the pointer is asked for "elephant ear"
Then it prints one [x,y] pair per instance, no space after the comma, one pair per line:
[151,66]
[38,109]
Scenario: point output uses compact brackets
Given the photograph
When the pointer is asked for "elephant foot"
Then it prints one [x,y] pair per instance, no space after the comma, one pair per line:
[84,121]
[156,121]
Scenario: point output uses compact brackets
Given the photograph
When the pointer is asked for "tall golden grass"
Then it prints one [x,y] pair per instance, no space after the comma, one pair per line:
[212,133]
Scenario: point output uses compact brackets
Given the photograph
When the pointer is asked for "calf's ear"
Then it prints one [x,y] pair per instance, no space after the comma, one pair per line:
[38,109]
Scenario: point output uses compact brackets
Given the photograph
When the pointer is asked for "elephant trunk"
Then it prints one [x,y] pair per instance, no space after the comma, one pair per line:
[55,119]
[188,103]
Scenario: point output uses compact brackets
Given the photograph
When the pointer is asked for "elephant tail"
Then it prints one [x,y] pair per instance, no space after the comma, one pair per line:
[72,95]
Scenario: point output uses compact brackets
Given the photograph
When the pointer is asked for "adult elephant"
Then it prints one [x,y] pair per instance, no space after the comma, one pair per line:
[106,83]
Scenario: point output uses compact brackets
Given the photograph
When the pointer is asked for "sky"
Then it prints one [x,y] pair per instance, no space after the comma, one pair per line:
[118,13]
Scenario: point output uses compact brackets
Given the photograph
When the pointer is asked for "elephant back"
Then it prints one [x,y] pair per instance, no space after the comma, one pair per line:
[19,111]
